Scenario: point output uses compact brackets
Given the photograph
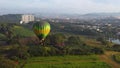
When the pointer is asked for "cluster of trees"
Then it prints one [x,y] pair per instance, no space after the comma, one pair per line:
[102,40]
[10,18]
[7,63]
[7,31]
[11,33]
[59,44]
[55,44]
[73,28]
[115,47]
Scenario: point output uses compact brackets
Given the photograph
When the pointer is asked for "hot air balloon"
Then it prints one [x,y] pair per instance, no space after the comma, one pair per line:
[41,29]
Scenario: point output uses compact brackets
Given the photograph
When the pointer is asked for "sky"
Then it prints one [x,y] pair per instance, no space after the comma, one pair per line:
[59,6]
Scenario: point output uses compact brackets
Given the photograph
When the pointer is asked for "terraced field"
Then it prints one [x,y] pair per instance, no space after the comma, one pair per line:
[87,61]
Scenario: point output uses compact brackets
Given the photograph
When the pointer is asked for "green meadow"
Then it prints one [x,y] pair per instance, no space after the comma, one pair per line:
[85,61]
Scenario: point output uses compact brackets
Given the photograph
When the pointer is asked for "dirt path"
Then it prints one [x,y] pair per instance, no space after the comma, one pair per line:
[108,59]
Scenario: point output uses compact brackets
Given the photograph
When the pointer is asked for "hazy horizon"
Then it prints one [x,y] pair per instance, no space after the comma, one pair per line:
[59,6]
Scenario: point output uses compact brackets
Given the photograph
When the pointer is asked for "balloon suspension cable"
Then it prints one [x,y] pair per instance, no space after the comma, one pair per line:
[42,42]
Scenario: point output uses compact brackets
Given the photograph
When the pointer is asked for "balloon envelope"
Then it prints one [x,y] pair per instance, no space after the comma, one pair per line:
[41,29]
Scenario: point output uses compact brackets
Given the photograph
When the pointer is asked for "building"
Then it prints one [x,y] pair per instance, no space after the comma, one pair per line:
[27,18]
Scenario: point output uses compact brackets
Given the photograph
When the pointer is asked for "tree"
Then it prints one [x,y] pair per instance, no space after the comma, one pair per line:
[7,30]
[21,52]
[6,63]
[56,39]
[43,51]
[96,50]
[102,40]
[66,50]
[74,40]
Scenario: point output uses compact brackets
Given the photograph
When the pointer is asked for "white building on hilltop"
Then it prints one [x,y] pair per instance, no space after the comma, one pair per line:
[27,19]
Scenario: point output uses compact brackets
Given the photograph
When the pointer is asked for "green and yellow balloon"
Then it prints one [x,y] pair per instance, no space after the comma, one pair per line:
[41,29]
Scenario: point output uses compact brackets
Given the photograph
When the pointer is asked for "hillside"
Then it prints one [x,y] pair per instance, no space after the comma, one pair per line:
[10,18]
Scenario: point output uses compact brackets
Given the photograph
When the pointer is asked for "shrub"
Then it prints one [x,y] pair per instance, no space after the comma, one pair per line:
[6,63]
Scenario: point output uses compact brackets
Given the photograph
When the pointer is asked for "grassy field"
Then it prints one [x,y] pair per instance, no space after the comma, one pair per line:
[21,31]
[88,61]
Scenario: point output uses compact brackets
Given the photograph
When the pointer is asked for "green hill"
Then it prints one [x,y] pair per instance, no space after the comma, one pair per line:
[22,31]
[10,18]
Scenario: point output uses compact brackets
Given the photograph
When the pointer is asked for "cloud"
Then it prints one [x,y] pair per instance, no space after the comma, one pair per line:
[63,6]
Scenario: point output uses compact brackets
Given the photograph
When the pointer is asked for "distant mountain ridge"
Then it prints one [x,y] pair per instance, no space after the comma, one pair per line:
[102,14]
[79,16]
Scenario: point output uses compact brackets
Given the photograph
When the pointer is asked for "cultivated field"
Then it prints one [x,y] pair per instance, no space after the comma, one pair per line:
[86,61]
